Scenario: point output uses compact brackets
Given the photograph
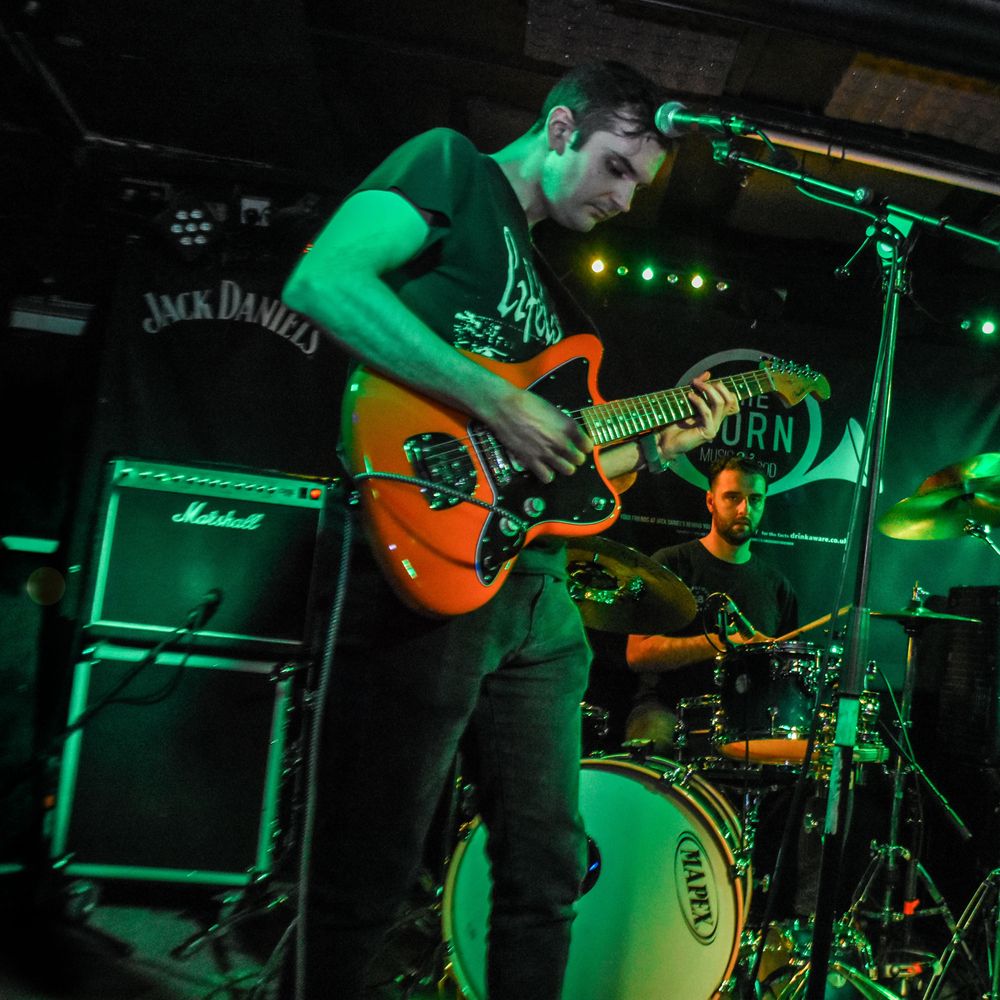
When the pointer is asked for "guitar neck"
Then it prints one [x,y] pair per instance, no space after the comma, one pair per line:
[612,423]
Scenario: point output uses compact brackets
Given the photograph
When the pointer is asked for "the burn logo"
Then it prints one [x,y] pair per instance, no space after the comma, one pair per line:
[696,890]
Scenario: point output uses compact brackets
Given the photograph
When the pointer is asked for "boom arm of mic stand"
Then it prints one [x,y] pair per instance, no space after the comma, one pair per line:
[724,153]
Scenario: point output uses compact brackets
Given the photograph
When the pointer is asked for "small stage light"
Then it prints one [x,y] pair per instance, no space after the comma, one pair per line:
[647,274]
[622,271]
[189,225]
[697,281]
[597,265]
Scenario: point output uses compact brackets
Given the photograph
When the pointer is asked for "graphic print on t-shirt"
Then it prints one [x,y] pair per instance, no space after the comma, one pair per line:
[523,313]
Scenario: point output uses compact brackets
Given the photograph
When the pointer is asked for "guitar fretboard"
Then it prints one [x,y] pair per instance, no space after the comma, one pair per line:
[610,423]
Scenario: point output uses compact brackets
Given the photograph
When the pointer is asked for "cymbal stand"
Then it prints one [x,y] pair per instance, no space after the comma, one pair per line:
[959,939]
[889,858]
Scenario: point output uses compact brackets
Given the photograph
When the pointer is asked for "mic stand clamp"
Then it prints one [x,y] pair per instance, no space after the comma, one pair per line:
[981,531]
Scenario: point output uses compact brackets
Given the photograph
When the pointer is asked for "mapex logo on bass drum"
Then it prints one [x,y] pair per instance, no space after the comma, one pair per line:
[696,890]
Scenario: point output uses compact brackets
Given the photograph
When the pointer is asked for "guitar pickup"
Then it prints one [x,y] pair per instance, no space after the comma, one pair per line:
[445,461]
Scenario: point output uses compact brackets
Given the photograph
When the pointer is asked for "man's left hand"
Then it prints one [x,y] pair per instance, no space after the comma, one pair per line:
[711,402]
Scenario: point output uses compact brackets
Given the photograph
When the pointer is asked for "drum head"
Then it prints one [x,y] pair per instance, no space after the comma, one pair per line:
[664,914]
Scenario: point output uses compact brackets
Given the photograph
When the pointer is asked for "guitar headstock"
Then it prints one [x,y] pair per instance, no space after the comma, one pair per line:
[793,382]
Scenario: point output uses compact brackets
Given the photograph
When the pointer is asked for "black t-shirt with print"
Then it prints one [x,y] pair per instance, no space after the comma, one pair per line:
[474,282]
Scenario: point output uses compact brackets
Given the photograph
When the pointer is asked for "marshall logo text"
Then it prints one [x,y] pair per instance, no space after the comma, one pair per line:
[213,519]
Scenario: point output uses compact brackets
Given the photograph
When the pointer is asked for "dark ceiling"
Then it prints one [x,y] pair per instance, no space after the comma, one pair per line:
[110,105]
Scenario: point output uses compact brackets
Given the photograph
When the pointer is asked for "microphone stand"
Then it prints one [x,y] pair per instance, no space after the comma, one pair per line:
[889,226]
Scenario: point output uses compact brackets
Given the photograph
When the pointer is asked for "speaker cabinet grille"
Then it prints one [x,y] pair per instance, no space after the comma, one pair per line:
[179,779]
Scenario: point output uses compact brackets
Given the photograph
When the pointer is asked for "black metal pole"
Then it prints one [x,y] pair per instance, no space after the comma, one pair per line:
[891,243]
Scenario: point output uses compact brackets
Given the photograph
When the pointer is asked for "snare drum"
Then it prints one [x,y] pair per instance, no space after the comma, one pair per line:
[767,702]
[663,907]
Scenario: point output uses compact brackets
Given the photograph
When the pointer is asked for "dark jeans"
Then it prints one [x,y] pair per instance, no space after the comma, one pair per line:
[404,690]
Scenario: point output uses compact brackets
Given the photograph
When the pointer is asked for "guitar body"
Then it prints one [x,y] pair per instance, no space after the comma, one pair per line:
[444,555]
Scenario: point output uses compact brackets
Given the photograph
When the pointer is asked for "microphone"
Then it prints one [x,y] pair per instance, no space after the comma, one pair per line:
[722,623]
[743,625]
[673,119]
[204,610]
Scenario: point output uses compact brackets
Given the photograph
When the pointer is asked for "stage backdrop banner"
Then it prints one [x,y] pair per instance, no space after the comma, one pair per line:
[203,363]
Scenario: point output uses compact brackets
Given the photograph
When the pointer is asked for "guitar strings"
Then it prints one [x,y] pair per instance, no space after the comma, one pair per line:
[457,446]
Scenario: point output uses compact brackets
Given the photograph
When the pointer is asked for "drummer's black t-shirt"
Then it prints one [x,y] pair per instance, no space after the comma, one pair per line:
[761,592]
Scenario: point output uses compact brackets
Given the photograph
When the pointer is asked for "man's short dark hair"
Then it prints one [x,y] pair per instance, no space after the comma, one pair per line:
[607,96]
[748,466]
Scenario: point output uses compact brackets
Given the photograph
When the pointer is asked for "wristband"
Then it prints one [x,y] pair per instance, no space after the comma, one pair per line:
[654,460]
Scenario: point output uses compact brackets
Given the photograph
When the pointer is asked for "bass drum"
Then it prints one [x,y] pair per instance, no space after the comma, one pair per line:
[662,907]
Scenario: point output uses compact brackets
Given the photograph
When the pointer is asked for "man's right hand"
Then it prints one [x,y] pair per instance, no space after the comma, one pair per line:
[538,436]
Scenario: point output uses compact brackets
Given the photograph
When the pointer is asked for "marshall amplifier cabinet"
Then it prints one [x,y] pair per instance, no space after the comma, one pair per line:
[240,544]
[178,777]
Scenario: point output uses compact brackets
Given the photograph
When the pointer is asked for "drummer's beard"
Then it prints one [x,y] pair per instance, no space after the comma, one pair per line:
[737,532]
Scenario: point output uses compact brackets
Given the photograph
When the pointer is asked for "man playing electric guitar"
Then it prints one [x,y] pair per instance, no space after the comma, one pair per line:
[431,252]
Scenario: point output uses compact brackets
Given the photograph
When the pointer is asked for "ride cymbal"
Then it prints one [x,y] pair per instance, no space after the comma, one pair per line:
[618,589]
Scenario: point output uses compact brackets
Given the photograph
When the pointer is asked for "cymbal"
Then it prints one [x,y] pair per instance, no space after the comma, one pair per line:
[921,614]
[969,471]
[942,512]
[618,589]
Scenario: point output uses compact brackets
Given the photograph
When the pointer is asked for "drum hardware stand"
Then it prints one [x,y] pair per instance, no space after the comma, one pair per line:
[888,226]
[989,887]
[773,880]
[887,857]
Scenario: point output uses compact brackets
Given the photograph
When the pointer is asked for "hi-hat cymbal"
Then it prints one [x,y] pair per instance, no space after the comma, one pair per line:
[921,614]
[618,589]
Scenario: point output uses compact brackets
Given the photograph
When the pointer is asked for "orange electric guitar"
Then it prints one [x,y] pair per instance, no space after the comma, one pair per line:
[447,509]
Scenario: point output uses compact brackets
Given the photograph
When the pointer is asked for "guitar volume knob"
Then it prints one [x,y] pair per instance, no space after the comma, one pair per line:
[509,527]
[534,506]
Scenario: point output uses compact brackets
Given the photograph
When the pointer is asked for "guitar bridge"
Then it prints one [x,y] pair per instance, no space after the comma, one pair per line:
[444,461]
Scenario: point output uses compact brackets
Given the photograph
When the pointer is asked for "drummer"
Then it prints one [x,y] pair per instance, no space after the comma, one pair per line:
[681,665]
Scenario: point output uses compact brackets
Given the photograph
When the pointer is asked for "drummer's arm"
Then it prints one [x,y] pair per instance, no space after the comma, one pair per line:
[646,653]
[652,653]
